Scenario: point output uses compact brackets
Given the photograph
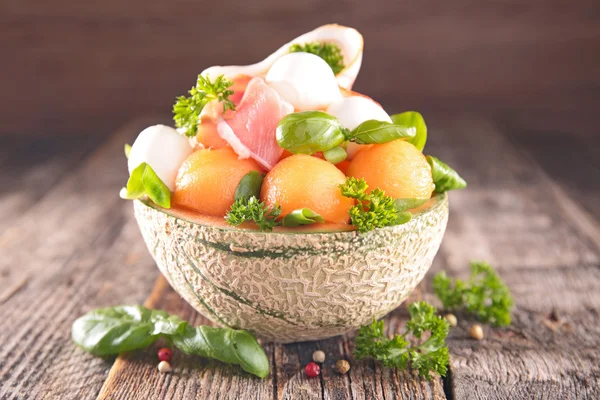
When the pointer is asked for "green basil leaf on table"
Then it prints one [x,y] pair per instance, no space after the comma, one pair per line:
[249,185]
[302,216]
[127,149]
[144,181]
[124,328]
[224,344]
[335,155]
[408,204]
[444,177]
[377,132]
[414,122]
[309,132]
[113,330]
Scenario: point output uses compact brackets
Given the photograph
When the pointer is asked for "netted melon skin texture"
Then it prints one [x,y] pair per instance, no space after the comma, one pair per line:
[293,287]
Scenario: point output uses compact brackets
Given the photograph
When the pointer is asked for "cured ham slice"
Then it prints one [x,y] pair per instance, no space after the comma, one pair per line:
[348,39]
[250,130]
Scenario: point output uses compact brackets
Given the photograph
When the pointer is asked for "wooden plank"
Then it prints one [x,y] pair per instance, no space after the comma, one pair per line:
[136,376]
[512,216]
[569,157]
[31,166]
[79,249]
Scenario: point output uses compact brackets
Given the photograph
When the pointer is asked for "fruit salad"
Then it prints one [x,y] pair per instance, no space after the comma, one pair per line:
[286,143]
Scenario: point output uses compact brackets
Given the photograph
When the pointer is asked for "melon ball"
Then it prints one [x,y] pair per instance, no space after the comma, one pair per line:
[207,180]
[398,168]
[163,149]
[302,181]
[304,80]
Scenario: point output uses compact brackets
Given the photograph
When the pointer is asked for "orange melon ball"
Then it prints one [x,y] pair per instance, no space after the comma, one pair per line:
[302,181]
[343,166]
[398,168]
[207,180]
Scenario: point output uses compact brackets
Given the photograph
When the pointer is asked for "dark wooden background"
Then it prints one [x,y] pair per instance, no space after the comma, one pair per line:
[80,67]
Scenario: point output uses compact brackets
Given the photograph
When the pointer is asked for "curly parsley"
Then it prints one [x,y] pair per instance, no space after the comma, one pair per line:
[251,209]
[374,209]
[186,110]
[428,355]
[484,294]
[331,53]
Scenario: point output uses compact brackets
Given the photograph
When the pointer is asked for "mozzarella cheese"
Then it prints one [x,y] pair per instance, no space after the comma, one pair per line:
[163,149]
[354,110]
[305,80]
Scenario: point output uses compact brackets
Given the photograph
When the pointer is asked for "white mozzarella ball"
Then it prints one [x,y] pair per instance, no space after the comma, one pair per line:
[305,80]
[163,149]
[353,111]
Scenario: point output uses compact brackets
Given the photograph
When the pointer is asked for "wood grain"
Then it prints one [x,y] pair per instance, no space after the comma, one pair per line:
[212,380]
[78,249]
[89,67]
[549,260]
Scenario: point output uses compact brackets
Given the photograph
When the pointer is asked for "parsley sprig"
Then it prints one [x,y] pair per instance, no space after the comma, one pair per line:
[485,295]
[374,209]
[186,110]
[331,53]
[428,355]
[246,209]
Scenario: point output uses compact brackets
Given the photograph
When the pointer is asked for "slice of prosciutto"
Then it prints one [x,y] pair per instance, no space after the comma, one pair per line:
[250,130]
[348,39]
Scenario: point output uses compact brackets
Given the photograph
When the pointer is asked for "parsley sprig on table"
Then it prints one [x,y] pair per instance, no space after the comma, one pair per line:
[485,295]
[186,110]
[331,53]
[251,209]
[374,209]
[428,355]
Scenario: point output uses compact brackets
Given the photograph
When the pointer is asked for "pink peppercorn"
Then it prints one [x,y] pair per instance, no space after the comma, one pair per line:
[165,354]
[312,370]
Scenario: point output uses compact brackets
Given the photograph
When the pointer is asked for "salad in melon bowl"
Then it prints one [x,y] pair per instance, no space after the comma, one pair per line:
[284,203]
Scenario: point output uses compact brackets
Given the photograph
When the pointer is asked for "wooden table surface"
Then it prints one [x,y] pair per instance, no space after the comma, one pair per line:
[532,209]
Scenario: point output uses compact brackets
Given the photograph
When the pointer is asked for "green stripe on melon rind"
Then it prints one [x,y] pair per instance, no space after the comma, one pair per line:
[270,313]
[360,241]
[198,297]
[283,252]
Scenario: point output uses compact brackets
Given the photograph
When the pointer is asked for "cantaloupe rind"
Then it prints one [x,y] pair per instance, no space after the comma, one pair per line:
[287,286]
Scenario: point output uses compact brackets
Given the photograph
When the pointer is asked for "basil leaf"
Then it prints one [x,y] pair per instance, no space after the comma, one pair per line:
[408,204]
[135,184]
[403,218]
[156,190]
[444,177]
[377,132]
[124,328]
[302,216]
[309,132]
[414,122]
[335,155]
[249,186]
[144,181]
[226,345]
[127,149]
[109,331]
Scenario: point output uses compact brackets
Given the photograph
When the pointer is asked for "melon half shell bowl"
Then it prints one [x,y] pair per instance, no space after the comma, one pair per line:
[292,286]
